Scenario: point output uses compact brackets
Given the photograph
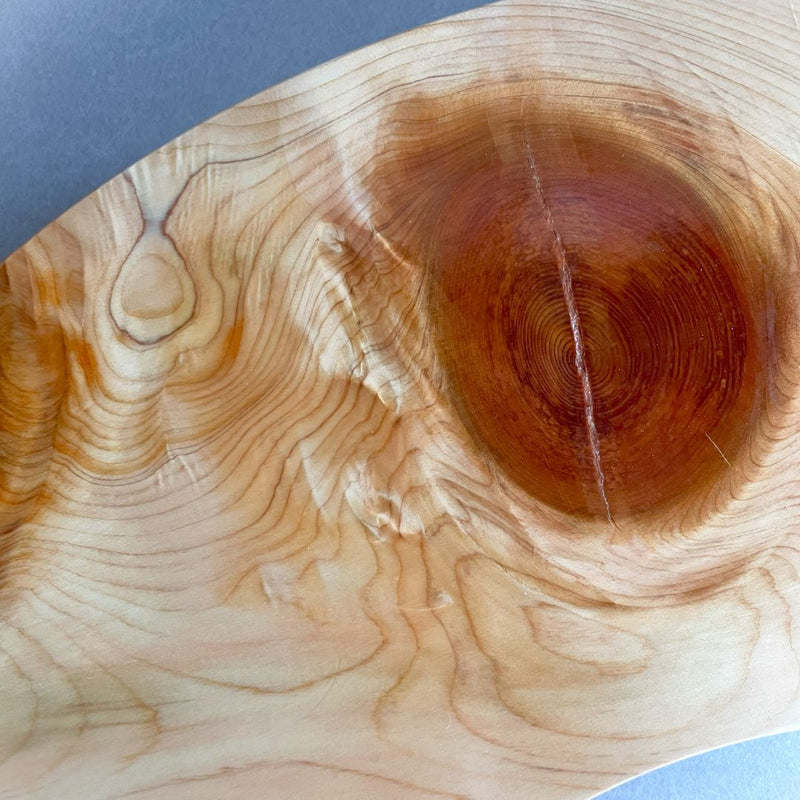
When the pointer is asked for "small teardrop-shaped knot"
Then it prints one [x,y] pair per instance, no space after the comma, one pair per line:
[153,295]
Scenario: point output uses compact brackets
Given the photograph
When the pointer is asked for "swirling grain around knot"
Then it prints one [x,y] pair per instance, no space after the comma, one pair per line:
[465,425]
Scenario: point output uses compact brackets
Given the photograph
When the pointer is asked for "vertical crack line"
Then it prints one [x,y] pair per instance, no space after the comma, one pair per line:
[565,273]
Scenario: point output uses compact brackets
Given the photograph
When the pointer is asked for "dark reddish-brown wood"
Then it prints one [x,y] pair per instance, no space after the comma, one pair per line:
[602,296]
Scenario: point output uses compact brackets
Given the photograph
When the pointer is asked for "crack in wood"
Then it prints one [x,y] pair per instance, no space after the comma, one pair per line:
[565,273]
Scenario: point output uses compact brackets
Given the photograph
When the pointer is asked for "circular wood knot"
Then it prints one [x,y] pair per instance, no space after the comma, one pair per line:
[596,284]
[595,326]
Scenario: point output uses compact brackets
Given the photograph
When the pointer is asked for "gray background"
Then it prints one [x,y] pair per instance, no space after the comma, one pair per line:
[88,87]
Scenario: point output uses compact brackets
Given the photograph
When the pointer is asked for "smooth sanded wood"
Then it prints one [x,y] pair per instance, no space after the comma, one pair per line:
[426,426]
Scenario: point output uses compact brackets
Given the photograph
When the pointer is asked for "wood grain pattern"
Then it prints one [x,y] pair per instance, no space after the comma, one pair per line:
[426,426]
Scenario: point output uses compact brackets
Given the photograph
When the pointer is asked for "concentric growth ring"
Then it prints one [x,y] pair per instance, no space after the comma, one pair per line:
[666,342]
[595,286]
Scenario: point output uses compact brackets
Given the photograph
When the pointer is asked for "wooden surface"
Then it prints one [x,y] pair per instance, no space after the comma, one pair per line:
[425,426]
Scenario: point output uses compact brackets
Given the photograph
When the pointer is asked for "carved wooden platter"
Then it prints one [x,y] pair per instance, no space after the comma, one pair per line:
[426,426]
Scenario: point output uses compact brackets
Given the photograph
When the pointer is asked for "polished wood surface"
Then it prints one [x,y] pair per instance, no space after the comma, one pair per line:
[425,426]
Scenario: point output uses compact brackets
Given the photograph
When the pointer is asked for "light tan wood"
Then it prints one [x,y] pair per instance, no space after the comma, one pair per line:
[250,547]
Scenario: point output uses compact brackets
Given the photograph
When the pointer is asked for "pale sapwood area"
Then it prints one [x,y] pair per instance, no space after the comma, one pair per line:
[426,426]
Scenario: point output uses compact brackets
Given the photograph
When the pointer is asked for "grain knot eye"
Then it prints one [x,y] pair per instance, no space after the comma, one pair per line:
[596,285]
